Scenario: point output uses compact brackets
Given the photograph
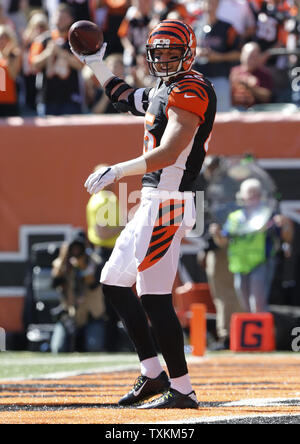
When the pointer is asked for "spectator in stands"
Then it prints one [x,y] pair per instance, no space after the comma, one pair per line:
[251,256]
[82,308]
[58,69]
[96,100]
[139,75]
[4,19]
[251,82]
[33,5]
[100,13]
[219,49]
[134,31]
[81,9]
[270,16]
[192,6]
[239,14]
[36,26]
[50,6]
[103,230]
[162,8]
[115,12]
[10,67]
[292,28]
[17,13]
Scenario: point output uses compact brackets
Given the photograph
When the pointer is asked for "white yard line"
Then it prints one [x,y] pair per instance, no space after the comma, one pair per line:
[67,374]
[30,360]
[212,419]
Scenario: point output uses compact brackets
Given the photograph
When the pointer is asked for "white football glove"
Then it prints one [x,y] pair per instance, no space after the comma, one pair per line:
[100,179]
[87,59]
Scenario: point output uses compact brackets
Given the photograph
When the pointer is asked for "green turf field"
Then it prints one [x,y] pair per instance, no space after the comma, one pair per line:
[29,364]
[46,365]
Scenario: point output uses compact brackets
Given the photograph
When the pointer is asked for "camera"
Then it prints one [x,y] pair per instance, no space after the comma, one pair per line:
[76,249]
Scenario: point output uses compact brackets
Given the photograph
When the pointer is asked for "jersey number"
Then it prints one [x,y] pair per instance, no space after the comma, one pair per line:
[266,28]
[149,139]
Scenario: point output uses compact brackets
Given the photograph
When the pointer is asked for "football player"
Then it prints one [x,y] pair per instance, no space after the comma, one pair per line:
[179,114]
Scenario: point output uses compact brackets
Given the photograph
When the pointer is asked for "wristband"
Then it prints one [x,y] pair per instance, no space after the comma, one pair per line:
[111,85]
[130,168]
[102,73]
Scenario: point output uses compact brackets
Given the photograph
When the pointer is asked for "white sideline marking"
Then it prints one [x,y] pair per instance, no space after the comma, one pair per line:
[65,360]
[262,402]
[63,375]
[208,419]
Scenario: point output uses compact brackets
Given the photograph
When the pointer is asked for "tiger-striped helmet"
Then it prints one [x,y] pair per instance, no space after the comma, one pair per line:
[171,34]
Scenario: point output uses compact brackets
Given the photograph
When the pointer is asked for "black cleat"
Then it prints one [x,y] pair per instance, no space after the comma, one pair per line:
[144,388]
[172,399]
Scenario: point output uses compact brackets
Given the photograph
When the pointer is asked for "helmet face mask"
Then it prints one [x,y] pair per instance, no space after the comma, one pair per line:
[166,68]
[177,40]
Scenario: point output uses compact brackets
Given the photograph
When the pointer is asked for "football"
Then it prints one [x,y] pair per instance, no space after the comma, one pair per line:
[85,37]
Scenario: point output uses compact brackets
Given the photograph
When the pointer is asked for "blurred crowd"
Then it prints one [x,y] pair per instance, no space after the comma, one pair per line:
[247,48]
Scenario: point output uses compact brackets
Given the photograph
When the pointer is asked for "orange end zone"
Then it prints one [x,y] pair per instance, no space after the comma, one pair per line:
[227,386]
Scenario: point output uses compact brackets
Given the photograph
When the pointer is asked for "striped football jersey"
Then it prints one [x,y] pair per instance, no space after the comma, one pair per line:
[190,92]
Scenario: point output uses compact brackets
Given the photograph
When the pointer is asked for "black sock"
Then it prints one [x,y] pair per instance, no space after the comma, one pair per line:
[168,331]
[134,318]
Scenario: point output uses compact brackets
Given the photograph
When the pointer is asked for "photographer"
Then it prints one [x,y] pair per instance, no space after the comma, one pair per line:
[81,312]
[253,233]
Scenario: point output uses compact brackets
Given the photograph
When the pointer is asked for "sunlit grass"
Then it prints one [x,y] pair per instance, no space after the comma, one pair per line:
[28,364]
